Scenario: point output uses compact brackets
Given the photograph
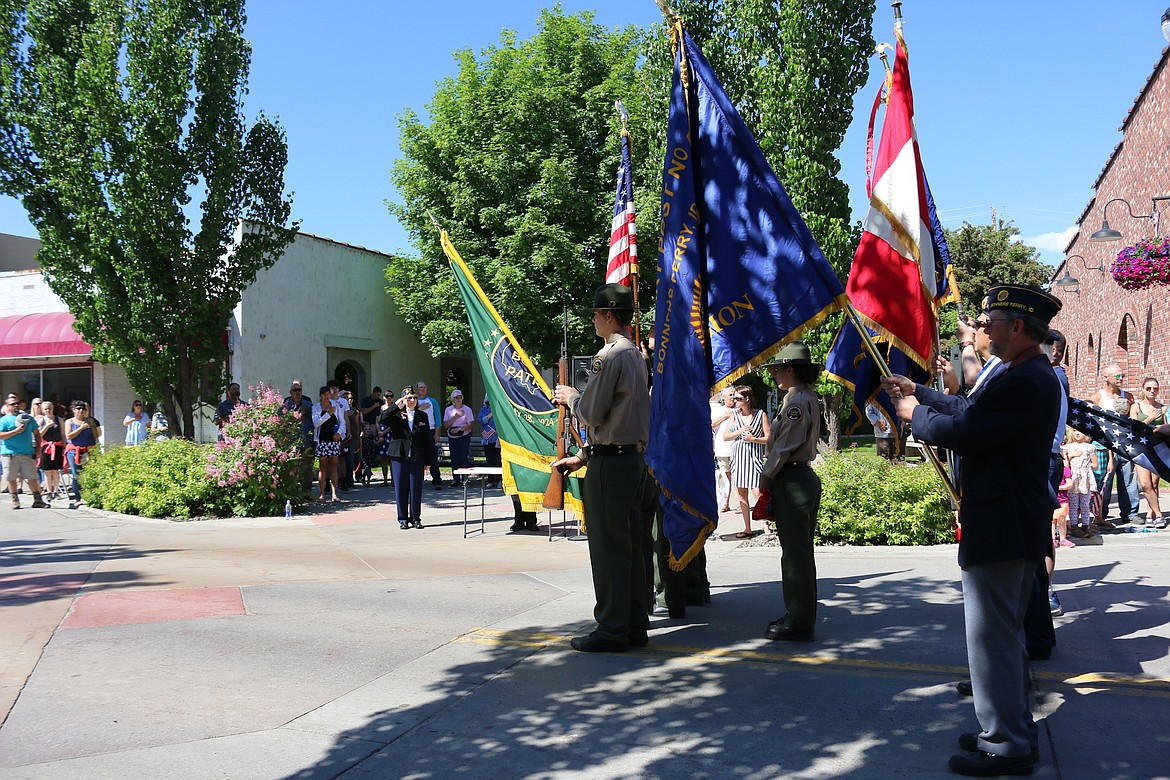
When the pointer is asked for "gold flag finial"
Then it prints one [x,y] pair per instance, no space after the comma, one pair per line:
[667,11]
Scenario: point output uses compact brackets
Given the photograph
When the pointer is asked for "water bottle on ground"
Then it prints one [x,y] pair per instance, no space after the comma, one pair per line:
[287,509]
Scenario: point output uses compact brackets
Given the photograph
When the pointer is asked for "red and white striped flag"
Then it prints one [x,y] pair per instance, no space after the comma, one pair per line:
[623,238]
[893,280]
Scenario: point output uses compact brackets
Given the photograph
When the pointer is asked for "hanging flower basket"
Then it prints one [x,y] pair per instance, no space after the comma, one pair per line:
[1142,265]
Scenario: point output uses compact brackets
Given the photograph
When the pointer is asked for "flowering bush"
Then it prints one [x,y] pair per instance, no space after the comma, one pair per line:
[1144,264]
[254,468]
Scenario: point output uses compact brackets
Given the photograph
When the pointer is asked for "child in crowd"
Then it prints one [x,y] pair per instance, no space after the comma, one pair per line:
[1060,514]
[1078,461]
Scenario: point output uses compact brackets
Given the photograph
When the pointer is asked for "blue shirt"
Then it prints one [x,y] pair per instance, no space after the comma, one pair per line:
[20,444]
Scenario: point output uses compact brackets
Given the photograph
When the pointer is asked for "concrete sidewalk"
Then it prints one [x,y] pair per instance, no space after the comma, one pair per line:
[337,644]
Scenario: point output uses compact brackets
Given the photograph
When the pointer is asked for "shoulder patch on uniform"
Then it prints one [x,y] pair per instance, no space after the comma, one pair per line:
[595,366]
[794,413]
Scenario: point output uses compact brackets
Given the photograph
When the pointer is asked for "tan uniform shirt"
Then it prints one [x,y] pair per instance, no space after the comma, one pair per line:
[616,403]
[794,433]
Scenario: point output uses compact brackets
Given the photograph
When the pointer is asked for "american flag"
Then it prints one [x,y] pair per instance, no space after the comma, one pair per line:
[1126,436]
[623,238]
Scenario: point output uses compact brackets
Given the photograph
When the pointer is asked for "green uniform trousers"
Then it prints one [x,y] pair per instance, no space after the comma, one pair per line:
[669,587]
[613,522]
[796,499]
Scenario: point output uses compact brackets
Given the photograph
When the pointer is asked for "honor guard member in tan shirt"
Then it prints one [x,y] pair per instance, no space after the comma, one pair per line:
[796,489]
[615,408]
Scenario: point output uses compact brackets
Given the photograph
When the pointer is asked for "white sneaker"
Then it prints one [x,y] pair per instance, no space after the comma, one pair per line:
[1158,522]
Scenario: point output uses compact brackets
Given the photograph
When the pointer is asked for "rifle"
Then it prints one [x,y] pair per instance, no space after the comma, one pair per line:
[554,494]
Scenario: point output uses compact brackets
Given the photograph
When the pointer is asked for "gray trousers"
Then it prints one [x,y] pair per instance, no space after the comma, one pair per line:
[995,599]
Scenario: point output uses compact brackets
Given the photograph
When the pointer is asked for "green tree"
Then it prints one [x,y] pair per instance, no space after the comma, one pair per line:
[114,117]
[518,164]
[985,255]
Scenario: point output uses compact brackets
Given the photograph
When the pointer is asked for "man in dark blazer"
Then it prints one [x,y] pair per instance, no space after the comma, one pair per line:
[409,430]
[1004,433]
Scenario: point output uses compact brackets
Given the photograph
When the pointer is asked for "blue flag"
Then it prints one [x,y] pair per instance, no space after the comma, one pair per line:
[739,276]
[849,364]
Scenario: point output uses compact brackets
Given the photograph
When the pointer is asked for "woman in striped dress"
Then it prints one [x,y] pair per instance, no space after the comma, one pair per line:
[748,432]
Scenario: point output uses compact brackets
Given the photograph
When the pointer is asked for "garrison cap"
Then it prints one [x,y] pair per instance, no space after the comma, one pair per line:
[614,297]
[1022,299]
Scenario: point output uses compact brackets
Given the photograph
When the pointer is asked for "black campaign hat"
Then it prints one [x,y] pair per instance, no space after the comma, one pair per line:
[614,297]
[1022,299]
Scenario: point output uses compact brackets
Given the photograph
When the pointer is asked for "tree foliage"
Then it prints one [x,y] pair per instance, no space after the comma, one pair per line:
[518,164]
[115,116]
[986,255]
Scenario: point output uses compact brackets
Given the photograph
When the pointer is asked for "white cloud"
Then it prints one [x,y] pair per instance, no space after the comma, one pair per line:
[1051,242]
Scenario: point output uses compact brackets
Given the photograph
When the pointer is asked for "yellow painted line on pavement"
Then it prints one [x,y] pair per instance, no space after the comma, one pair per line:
[1086,681]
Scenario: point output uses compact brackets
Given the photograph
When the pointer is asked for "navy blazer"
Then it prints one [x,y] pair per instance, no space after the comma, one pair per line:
[408,443]
[1004,435]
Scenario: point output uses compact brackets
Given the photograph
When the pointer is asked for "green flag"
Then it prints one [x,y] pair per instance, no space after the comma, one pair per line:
[522,407]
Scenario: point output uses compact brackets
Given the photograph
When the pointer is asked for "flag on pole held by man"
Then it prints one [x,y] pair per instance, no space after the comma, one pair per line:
[894,280]
[1126,436]
[739,276]
[902,268]
[623,238]
[522,410]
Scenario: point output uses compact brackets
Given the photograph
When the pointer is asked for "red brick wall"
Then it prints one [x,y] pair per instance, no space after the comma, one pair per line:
[1104,323]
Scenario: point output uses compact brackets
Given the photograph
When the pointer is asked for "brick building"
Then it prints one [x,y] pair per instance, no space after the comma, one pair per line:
[1103,322]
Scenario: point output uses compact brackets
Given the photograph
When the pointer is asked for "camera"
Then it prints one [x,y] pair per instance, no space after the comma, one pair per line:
[23,417]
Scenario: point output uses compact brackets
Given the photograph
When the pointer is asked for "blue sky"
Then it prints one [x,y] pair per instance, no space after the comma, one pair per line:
[1018,103]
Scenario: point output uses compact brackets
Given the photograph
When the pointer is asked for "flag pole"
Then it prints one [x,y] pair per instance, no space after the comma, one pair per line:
[880,361]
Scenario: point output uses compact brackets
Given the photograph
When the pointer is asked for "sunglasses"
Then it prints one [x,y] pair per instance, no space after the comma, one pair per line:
[1119,376]
[739,398]
[1152,389]
[986,324]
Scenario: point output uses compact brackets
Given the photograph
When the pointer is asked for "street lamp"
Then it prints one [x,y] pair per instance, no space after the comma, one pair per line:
[1070,282]
[1107,233]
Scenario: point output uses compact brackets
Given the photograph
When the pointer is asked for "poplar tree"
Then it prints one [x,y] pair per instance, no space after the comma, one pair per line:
[123,135]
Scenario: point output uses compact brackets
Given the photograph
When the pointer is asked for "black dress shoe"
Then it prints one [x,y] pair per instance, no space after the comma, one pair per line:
[418,524]
[517,526]
[970,741]
[964,689]
[595,643]
[638,637]
[780,631]
[982,764]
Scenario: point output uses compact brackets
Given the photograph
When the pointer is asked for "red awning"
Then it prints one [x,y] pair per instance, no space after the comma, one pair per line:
[41,335]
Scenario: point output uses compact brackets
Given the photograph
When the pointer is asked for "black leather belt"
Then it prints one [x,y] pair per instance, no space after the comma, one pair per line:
[597,450]
[795,464]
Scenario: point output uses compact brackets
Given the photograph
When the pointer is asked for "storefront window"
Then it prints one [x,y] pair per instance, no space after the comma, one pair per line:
[63,386]
[59,385]
[26,384]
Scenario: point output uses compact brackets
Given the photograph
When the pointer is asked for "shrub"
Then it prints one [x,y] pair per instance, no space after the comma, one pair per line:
[156,479]
[867,500]
[253,471]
